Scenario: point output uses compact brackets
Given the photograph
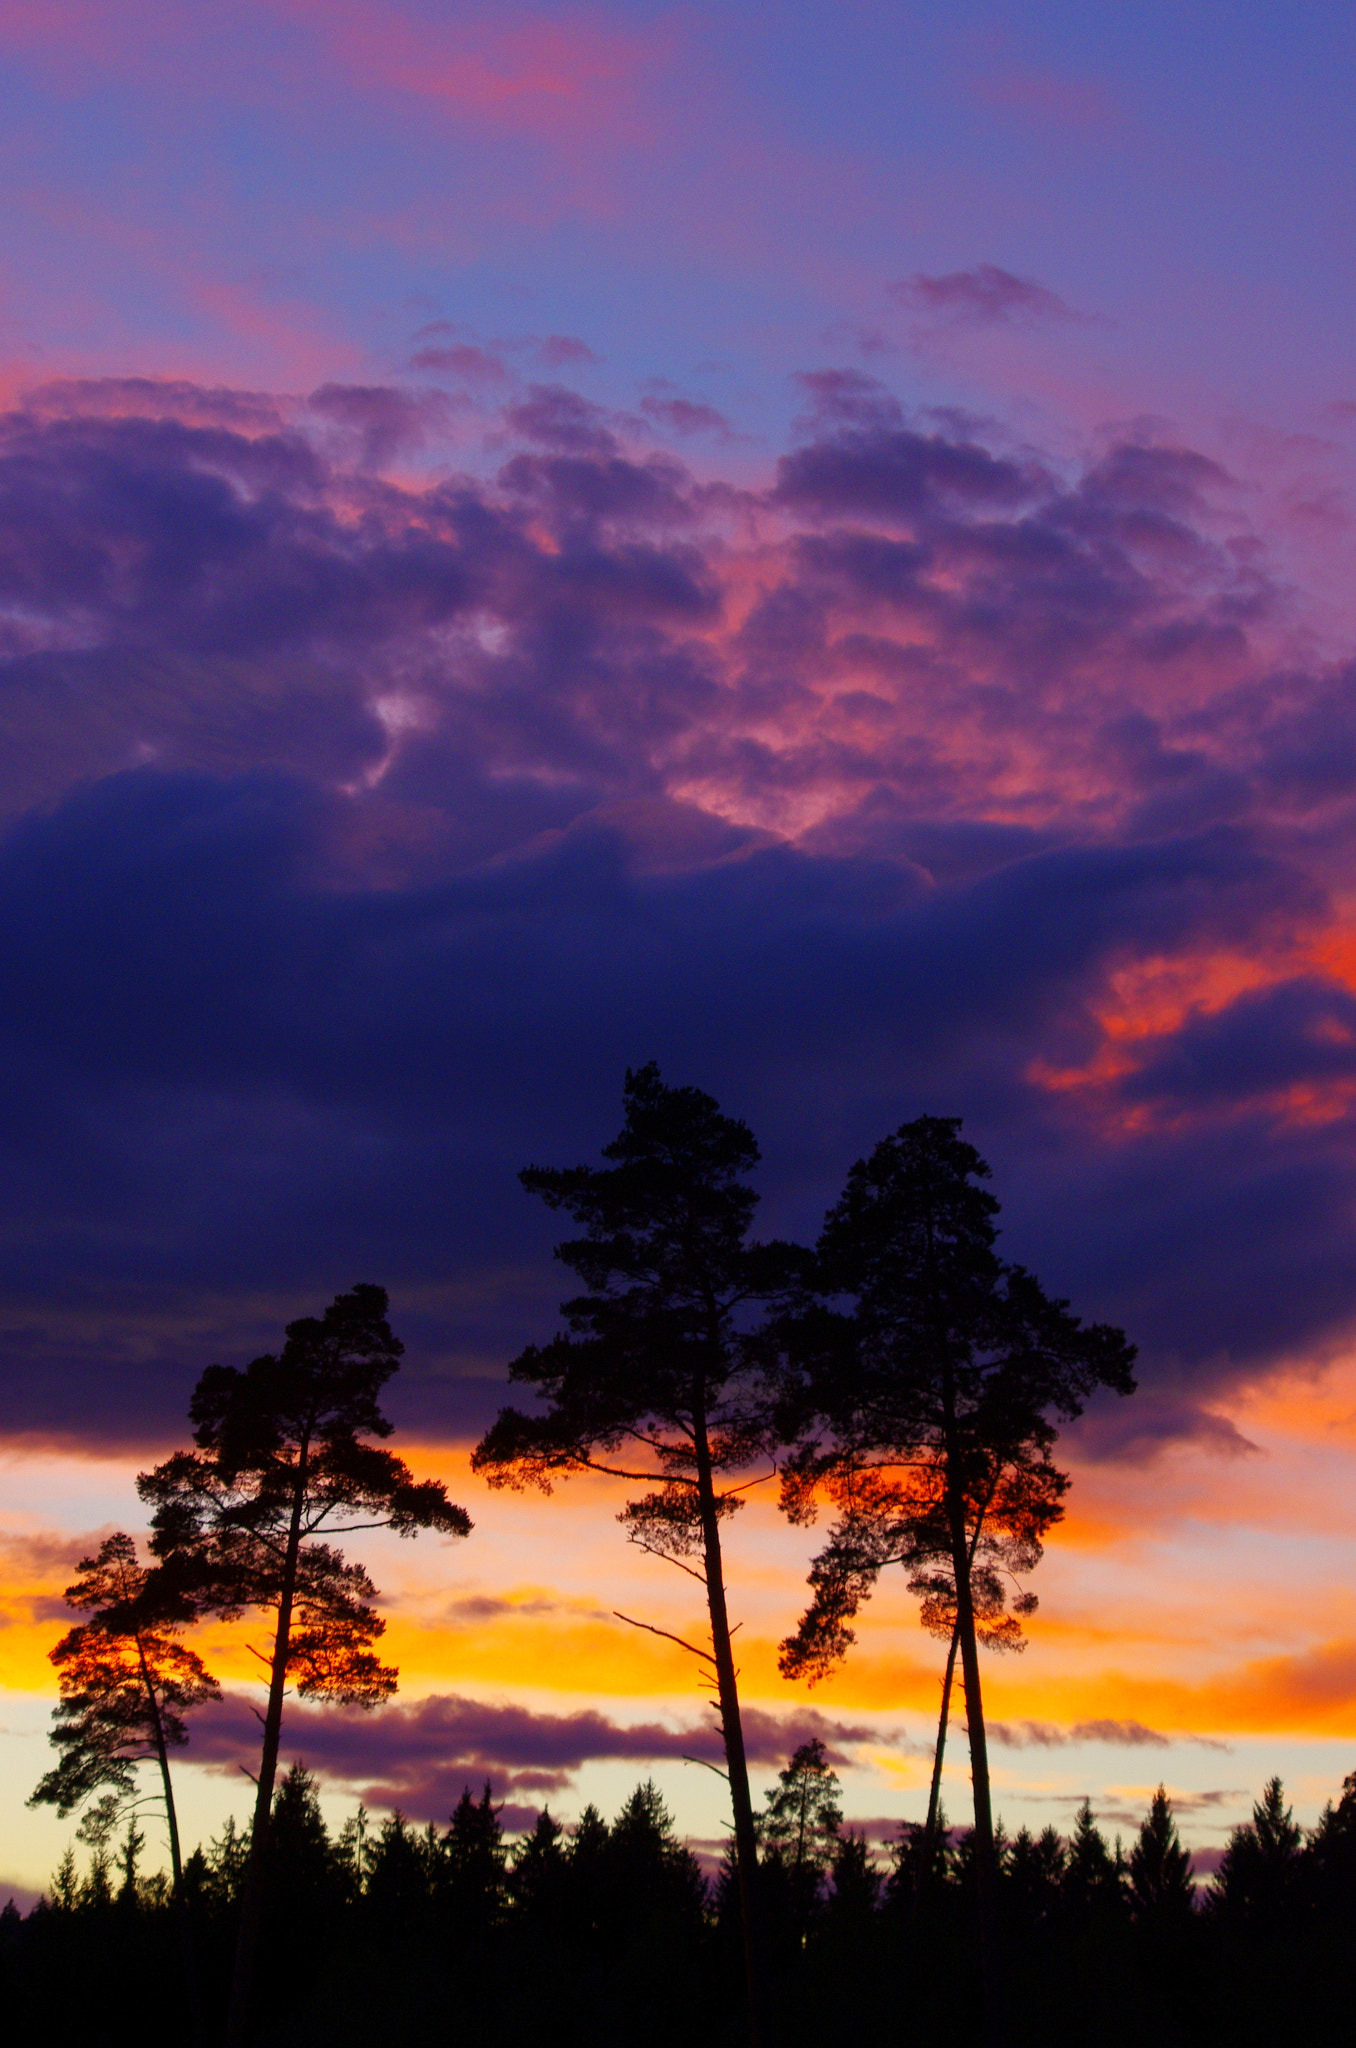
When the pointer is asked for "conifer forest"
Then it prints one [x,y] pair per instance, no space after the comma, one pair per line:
[905,1387]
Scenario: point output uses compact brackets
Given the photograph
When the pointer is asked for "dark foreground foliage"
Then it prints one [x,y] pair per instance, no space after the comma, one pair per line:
[609,1934]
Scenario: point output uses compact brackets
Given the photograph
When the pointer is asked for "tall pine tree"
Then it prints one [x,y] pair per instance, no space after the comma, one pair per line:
[658,1378]
[283,1458]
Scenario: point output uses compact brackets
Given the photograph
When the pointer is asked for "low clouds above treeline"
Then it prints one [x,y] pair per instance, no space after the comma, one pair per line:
[420,1757]
[364,822]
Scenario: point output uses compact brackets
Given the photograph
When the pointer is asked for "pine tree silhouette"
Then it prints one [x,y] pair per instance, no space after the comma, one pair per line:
[283,1458]
[1161,1886]
[659,1379]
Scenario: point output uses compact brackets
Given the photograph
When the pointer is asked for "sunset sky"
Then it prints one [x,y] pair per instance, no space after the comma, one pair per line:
[811,543]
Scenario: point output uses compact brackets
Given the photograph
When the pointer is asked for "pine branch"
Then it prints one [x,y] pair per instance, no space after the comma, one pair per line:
[650,1629]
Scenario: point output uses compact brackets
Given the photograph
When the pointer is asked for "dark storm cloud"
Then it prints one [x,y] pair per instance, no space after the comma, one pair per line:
[361,834]
[393,1056]
[1298,1034]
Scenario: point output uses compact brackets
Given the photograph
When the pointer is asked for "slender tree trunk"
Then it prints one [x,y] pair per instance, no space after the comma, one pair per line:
[727,1690]
[986,1886]
[187,1946]
[986,1875]
[162,1758]
[252,1888]
[935,1790]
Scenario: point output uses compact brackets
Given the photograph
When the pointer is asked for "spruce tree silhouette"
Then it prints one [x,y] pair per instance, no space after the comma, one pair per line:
[854,1891]
[129,1861]
[539,1871]
[1034,1879]
[127,1681]
[303,1886]
[1256,1879]
[659,1379]
[1331,1854]
[655,1883]
[1161,1887]
[1092,1882]
[283,1454]
[398,1877]
[933,1400]
[472,1871]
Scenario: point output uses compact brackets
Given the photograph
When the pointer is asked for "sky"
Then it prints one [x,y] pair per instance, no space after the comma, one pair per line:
[808,543]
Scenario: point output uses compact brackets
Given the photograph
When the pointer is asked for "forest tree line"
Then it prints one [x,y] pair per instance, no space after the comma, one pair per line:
[610,1933]
[899,1375]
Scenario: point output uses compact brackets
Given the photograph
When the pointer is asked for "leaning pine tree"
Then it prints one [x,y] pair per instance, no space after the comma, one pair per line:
[127,1682]
[934,1374]
[659,1378]
[283,1457]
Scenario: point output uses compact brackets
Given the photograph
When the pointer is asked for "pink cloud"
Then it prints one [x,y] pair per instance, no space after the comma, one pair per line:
[463,359]
[545,79]
[554,351]
[985,293]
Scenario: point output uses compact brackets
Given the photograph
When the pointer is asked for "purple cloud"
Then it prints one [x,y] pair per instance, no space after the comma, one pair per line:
[418,1757]
[463,359]
[1119,1734]
[558,351]
[986,293]
[685,416]
[384,423]
[359,832]
[559,418]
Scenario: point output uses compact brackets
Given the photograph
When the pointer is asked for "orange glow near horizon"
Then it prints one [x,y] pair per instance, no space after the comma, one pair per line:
[1275,1653]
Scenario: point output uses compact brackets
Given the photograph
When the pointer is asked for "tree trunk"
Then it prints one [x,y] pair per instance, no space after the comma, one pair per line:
[727,1689]
[252,1889]
[187,1948]
[935,1791]
[986,1887]
[986,1876]
[162,1758]
[186,1944]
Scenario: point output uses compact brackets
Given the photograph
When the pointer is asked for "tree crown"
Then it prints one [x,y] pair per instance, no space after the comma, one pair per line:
[126,1682]
[656,1348]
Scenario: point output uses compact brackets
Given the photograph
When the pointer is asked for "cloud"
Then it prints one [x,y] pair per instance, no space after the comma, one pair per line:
[1137,1432]
[358,832]
[1119,1734]
[985,294]
[462,359]
[532,79]
[247,412]
[557,351]
[559,418]
[384,424]
[684,416]
[418,1757]
[1186,1806]
[475,1608]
